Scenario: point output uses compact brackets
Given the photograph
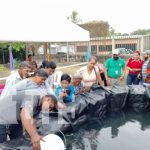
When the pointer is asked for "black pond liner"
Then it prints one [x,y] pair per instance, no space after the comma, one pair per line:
[138,98]
[99,103]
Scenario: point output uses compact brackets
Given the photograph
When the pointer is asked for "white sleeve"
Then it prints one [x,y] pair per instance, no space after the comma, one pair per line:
[49,82]
[96,69]
[81,70]
[8,85]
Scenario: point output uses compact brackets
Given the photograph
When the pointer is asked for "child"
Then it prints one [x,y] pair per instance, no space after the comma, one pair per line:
[65,92]
[78,86]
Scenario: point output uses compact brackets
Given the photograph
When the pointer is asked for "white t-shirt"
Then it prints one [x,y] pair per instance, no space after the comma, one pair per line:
[49,83]
[13,79]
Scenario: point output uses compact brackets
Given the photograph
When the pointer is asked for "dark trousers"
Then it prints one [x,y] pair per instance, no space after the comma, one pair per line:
[13,131]
[132,79]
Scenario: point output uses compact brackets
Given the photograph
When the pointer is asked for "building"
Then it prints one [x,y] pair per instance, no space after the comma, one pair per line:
[100,45]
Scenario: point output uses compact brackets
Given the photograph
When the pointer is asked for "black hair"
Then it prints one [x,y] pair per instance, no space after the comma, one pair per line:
[47,64]
[42,73]
[44,64]
[53,98]
[66,77]
[30,55]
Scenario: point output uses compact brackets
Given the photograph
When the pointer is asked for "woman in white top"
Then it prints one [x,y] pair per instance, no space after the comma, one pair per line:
[90,73]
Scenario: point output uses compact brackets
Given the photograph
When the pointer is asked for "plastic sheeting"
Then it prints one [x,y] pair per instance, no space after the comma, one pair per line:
[138,97]
[98,103]
[115,96]
[17,144]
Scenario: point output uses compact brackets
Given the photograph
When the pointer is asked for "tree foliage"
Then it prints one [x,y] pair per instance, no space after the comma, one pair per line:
[141,32]
[113,33]
[96,28]
[74,17]
[16,46]
[18,51]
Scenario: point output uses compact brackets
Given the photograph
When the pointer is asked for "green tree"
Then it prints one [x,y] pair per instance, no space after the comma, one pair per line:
[141,32]
[74,17]
[18,51]
[17,46]
[96,28]
[125,34]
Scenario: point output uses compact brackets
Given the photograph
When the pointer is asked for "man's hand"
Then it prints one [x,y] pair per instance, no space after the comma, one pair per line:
[122,77]
[61,106]
[139,76]
[62,94]
[35,139]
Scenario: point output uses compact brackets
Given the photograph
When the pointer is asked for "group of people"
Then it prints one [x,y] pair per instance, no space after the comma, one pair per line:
[33,90]
[137,69]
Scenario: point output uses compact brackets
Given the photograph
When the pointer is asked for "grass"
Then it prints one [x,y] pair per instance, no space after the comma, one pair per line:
[71,71]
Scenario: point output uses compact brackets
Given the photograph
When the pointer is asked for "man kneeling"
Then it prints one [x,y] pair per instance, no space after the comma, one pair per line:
[47,103]
[29,108]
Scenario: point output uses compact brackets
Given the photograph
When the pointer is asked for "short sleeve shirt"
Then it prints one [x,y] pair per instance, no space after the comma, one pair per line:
[133,63]
[114,67]
[88,79]
[24,94]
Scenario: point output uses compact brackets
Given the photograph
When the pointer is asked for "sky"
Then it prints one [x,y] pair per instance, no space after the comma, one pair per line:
[124,16]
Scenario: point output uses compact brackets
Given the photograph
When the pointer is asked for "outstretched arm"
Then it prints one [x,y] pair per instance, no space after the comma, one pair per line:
[30,126]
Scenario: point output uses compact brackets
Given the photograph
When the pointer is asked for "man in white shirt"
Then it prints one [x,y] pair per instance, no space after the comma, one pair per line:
[50,69]
[23,72]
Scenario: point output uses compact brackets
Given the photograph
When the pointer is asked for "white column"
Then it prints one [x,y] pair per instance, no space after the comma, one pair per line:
[97,49]
[113,43]
[67,52]
[142,43]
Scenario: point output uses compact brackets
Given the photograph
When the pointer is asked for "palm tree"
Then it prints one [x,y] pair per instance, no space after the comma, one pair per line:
[74,17]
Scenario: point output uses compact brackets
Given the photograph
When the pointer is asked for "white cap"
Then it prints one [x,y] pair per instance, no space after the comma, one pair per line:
[146,52]
[115,51]
[52,142]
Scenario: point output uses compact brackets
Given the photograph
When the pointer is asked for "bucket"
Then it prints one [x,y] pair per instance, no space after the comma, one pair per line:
[52,142]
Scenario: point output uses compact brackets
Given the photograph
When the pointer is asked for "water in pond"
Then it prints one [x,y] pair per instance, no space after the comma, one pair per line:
[126,130]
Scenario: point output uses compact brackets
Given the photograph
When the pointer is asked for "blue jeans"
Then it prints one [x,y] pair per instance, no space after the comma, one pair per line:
[132,79]
[14,131]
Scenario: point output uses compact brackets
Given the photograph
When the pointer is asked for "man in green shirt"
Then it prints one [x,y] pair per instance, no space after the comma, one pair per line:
[115,68]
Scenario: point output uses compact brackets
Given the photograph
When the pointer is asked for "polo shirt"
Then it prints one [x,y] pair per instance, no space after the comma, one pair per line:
[135,64]
[114,67]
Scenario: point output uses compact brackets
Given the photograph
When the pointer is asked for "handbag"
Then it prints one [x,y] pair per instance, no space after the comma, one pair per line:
[97,78]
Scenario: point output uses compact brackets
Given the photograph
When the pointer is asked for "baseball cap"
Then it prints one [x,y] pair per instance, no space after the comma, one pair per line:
[115,51]
[146,52]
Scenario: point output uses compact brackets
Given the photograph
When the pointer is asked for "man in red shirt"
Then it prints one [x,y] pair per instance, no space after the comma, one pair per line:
[134,66]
